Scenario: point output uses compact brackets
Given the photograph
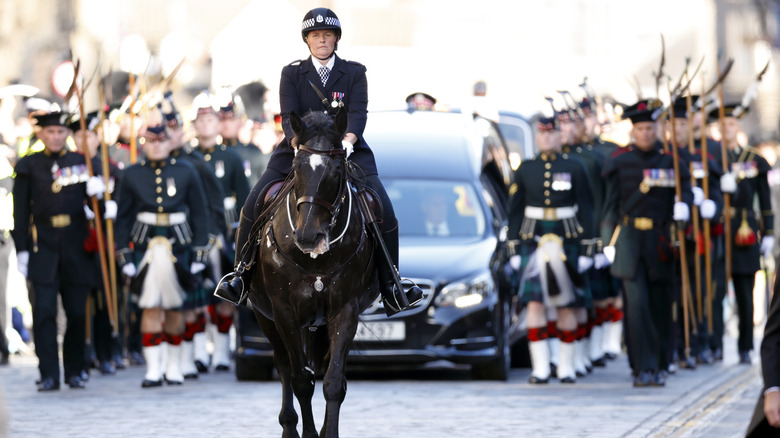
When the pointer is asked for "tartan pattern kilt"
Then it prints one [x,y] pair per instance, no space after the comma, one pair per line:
[531,290]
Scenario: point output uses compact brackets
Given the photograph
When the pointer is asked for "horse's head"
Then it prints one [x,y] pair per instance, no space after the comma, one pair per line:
[320,180]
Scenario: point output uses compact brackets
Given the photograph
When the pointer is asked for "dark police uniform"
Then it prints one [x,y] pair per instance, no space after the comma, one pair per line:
[49,196]
[640,199]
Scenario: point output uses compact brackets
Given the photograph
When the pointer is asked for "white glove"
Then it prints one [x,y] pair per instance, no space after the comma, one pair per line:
[584,263]
[767,243]
[229,203]
[89,213]
[728,184]
[514,262]
[681,212]
[129,270]
[349,147]
[707,209]
[96,187]
[111,209]
[698,195]
[196,267]
[601,261]
[23,258]
[609,253]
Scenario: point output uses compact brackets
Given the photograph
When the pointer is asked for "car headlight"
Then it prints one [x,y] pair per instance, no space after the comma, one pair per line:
[466,293]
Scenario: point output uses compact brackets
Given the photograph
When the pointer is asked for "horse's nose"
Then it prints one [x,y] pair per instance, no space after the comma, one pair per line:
[308,239]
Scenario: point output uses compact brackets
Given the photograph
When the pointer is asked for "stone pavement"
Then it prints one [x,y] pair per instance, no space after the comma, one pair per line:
[713,401]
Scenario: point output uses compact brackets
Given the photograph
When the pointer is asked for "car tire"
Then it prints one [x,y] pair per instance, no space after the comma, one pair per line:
[252,369]
[498,368]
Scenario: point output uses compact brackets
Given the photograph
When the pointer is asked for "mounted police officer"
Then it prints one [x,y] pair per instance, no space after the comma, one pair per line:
[162,236]
[323,82]
[550,223]
[639,209]
[50,226]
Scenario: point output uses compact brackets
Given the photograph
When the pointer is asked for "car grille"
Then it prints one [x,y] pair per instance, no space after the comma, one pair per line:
[377,309]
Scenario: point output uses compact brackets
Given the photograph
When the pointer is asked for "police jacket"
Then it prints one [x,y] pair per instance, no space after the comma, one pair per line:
[346,90]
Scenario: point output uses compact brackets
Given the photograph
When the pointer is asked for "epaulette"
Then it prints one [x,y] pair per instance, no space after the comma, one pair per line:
[297,62]
[753,150]
[352,62]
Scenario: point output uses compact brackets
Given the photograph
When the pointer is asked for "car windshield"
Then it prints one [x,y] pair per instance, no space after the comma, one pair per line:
[438,209]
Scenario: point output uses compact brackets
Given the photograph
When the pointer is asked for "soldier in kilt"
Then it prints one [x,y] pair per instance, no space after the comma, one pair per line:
[162,233]
[551,215]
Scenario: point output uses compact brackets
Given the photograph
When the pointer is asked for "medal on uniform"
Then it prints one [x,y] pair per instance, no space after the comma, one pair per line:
[171,183]
[56,186]
[55,167]
[337,100]
[644,186]
[219,168]
[561,181]
[318,285]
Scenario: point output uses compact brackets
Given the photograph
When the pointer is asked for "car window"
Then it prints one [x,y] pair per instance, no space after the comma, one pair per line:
[440,209]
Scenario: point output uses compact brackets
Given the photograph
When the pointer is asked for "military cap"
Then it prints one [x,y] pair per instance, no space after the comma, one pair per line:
[646,110]
[54,118]
[91,121]
[730,110]
[172,116]
[547,123]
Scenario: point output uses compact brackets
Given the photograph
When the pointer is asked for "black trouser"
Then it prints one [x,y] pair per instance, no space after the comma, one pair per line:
[743,292]
[103,342]
[699,341]
[44,306]
[648,320]
[254,205]
[719,289]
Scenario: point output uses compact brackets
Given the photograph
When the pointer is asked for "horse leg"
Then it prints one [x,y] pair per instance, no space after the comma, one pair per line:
[301,376]
[288,418]
[334,384]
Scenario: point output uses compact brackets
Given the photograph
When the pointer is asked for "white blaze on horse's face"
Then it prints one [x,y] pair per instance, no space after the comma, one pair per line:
[315,161]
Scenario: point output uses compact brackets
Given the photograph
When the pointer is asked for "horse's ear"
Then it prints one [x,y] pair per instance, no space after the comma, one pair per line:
[296,123]
[341,122]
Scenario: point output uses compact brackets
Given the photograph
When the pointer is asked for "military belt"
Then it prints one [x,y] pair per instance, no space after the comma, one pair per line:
[550,214]
[59,220]
[161,219]
[639,223]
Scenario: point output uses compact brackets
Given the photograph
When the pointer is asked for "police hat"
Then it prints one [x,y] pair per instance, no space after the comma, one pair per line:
[319,19]
[55,118]
[91,121]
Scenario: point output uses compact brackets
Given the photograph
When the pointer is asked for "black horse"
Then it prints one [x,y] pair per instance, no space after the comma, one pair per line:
[316,273]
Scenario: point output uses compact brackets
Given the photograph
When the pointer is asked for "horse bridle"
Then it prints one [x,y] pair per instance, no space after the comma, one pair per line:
[332,208]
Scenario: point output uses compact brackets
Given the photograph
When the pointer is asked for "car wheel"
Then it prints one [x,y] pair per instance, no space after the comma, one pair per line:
[252,369]
[498,368]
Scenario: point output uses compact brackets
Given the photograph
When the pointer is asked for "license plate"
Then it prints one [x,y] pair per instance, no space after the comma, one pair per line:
[380,331]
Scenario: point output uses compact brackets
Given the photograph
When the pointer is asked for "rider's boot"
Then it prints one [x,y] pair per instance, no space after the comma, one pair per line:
[233,286]
[394,300]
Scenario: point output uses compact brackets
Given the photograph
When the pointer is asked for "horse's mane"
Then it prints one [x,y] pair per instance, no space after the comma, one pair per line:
[317,124]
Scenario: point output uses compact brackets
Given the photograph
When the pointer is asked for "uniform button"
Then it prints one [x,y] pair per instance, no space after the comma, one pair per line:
[157,171]
[158,180]
[159,189]
[547,165]
[547,183]
[207,157]
[546,174]
[160,209]
[546,193]
[546,202]
[159,199]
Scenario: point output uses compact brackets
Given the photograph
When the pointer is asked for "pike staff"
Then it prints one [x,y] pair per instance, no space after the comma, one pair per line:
[686,290]
[695,213]
[725,165]
[707,230]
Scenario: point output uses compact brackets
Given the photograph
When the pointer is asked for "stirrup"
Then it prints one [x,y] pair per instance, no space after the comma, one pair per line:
[233,290]
[399,301]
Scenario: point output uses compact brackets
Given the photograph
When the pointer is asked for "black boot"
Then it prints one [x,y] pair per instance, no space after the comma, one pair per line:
[394,300]
[234,287]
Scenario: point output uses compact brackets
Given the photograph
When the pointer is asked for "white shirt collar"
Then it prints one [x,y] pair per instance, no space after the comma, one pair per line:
[317,65]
